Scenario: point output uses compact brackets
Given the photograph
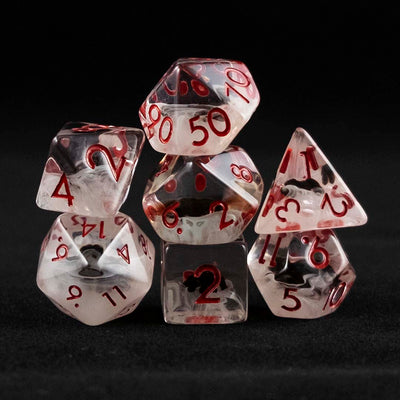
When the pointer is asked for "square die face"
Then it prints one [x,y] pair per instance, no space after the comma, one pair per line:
[204,284]
[89,169]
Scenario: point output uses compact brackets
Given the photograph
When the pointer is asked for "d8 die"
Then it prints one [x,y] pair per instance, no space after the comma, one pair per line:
[199,106]
[94,269]
[203,200]
[89,169]
[301,274]
[204,284]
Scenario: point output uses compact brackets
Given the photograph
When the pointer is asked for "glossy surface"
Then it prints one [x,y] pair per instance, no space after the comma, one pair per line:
[95,270]
[199,106]
[204,284]
[307,193]
[89,169]
[203,200]
[301,274]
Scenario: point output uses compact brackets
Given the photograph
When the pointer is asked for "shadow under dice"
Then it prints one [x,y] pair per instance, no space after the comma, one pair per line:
[199,106]
[204,284]
[203,200]
[301,274]
[94,269]
[89,169]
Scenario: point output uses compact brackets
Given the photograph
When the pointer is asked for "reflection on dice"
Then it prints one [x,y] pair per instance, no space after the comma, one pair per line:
[89,169]
[307,193]
[199,106]
[301,274]
[94,269]
[203,200]
[204,284]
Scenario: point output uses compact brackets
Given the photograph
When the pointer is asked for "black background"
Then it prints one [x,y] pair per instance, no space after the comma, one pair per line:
[332,71]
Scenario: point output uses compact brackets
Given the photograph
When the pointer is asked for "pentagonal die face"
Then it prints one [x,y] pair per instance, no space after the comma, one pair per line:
[199,106]
[301,274]
[95,270]
[203,200]
[89,169]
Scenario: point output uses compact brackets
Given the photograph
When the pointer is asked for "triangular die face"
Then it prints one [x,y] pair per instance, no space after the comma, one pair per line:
[307,193]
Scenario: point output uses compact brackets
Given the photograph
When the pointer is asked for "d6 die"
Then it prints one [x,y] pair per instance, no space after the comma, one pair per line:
[301,274]
[204,284]
[93,269]
[89,169]
[203,200]
[199,106]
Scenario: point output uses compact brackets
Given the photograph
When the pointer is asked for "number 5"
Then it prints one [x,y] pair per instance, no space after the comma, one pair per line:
[287,295]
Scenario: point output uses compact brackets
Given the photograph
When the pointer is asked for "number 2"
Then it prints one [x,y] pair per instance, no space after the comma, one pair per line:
[223,223]
[115,169]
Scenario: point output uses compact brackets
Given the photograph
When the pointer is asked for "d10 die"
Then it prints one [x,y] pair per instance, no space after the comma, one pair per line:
[205,284]
[301,274]
[94,269]
[307,193]
[199,106]
[89,169]
[203,200]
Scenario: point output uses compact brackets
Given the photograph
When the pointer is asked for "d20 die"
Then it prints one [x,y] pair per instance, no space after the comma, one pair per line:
[301,274]
[94,269]
[307,193]
[89,169]
[205,284]
[203,200]
[199,106]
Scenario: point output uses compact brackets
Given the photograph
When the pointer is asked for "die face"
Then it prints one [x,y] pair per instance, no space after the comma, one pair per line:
[307,193]
[203,200]
[94,269]
[301,274]
[199,106]
[89,169]
[204,284]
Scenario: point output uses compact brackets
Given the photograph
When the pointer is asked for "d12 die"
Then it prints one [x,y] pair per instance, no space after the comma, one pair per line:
[307,193]
[204,284]
[89,169]
[199,106]
[301,274]
[94,269]
[203,200]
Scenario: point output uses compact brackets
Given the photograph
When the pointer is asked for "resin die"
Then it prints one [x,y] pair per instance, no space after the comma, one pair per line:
[93,269]
[199,106]
[301,274]
[203,200]
[307,193]
[89,169]
[204,284]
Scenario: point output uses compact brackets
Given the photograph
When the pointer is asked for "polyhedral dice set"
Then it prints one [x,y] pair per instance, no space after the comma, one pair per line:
[96,264]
